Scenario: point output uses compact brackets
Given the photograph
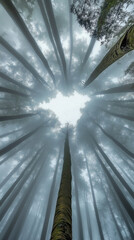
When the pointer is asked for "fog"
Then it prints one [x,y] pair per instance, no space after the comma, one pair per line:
[45,59]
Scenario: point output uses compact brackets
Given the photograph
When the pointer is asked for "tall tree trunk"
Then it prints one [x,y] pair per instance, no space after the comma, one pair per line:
[12,117]
[18,141]
[87,55]
[130,118]
[21,59]
[50,201]
[95,204]
[122,147]
[123,46]
[12,11]
[11,193]
[19,208]
[52,21]
[9,79]
[11,91]
[71,40]
[62,225]
[120,89]
[47,24]
[117,188]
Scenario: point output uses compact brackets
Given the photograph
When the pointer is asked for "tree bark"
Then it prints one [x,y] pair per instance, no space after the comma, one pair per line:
[62,225]
[123,46]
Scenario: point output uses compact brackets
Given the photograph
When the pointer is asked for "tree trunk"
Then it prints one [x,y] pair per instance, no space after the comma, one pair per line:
[56,36]
[12,117]
[47,24]
[23,61]
[50,201]
[11,91]
[118,190]
[123,46]
[16,17]
[120,89]
[121,146]
[62,225]
[14,217]
[11,80]
[130,118]
[18,141]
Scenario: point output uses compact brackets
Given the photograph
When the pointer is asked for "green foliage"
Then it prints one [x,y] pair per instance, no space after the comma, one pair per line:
[106,21]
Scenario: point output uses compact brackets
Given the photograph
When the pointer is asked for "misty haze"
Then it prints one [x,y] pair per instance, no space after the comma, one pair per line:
[67,119]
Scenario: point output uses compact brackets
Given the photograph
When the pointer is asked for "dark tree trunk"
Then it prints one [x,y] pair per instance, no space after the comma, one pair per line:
[123,46]
[62,225]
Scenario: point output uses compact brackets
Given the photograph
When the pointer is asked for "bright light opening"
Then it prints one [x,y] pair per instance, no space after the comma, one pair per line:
[67,109]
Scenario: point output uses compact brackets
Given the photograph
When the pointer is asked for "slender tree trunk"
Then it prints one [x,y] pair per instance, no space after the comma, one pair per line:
[16,213]
[71,40]
[50,202]
[116,172]
[87,55]
[52,21]
[79,214]
[25,63]
[11,91]
[121,89]
[12,192]
[117,224]
[9,79]
[123,46]
[95,204]
[18,141]
[12,117]
[130,118]
[62,225]
[122,147]
[119,192]
[47,24]
[12,11]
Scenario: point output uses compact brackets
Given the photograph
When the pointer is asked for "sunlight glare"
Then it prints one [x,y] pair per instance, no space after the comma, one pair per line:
[66,109]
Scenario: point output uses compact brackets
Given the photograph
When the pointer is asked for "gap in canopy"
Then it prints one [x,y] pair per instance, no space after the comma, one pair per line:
[66,108]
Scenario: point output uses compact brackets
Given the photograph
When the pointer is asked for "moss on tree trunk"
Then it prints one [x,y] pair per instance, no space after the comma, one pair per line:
[123,46]
[62,225]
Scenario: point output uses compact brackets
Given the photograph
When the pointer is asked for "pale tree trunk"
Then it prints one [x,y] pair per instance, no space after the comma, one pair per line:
[51,16]
[116,187]
[130,118]
[16,17]
[9,79]
[62,225]
[23,61]
[123,46]
[120,89]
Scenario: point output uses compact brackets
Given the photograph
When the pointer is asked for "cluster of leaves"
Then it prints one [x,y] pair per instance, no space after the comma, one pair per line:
[87,13]
[103,22]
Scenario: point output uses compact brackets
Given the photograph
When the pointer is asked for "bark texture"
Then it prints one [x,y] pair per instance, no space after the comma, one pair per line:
[62,226]
[123,46]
